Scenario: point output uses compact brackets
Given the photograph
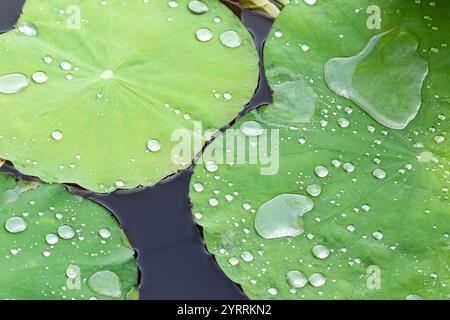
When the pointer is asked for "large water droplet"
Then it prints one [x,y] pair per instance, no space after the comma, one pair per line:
[66,232]
[204,35]
[28,29]
[314,190]
[317,279]
[320,251]
[385,79]
[15,225]
[379,173]
[198,7]
[13,82]
[321,171]
[230,39]
[251,128]
[51,239]
[282,216]
[39,77]
[296,279]
[153,145]
[105,283]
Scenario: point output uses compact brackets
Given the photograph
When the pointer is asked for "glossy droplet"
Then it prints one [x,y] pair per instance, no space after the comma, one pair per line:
[72,272]
[39,77]
[320,251]
[204,35]
[66,65]
[296,279]
[119,184]
[282,216]
[198,7]
[317,279]
[348,167]
[66,232]
[314,190]
[378,235]
[13,83]
[105,283]
[247,256]
[388,64]
[379,173]
[272,291]
[211,166]
[107,74]
[105,233]
[153,145]
[413,296]
[343,122]
[57,135]
[48,59]
[198,187]
[230,39]
[15,225]
[51,239]
[251,128]
[28,29]
[321,171]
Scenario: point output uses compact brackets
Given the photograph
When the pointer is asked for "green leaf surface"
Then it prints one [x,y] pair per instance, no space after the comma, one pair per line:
[54,245]
[378,228]
[92,91]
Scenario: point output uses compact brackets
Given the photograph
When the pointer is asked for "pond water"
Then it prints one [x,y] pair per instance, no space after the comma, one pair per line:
[158,221]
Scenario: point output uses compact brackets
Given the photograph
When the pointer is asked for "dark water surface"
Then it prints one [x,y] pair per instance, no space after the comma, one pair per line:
[158,221]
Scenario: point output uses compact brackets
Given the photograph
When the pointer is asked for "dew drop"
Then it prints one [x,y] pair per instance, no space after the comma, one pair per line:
[321,171]
[211,166]
[105,283]
[153,145]
[15,225]
[105,233]
[296,279]
[48,59]
[272,291]
[51,239]
[348,167]
[343,122]
[379,173]
[247,256]
[13,83]
[66,65]
[314,190]
[204,35]
[320,251]
[198,7]
[377,235]
[57,135]
[317,279]
[230,39]
[66,232]
[198,187]
[413,296]
[251,128]
[39,77]
[282,216]
[28,29]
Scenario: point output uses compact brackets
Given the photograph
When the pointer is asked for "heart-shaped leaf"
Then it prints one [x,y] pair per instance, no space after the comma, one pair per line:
[92,92]
[379,226]
[55,245]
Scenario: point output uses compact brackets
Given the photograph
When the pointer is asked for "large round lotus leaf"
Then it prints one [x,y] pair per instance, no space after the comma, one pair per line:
[353,209]
[55,245]
[101,86]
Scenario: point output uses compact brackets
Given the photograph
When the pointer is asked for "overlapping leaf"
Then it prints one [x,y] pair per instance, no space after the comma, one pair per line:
[378,224]
[92,91]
